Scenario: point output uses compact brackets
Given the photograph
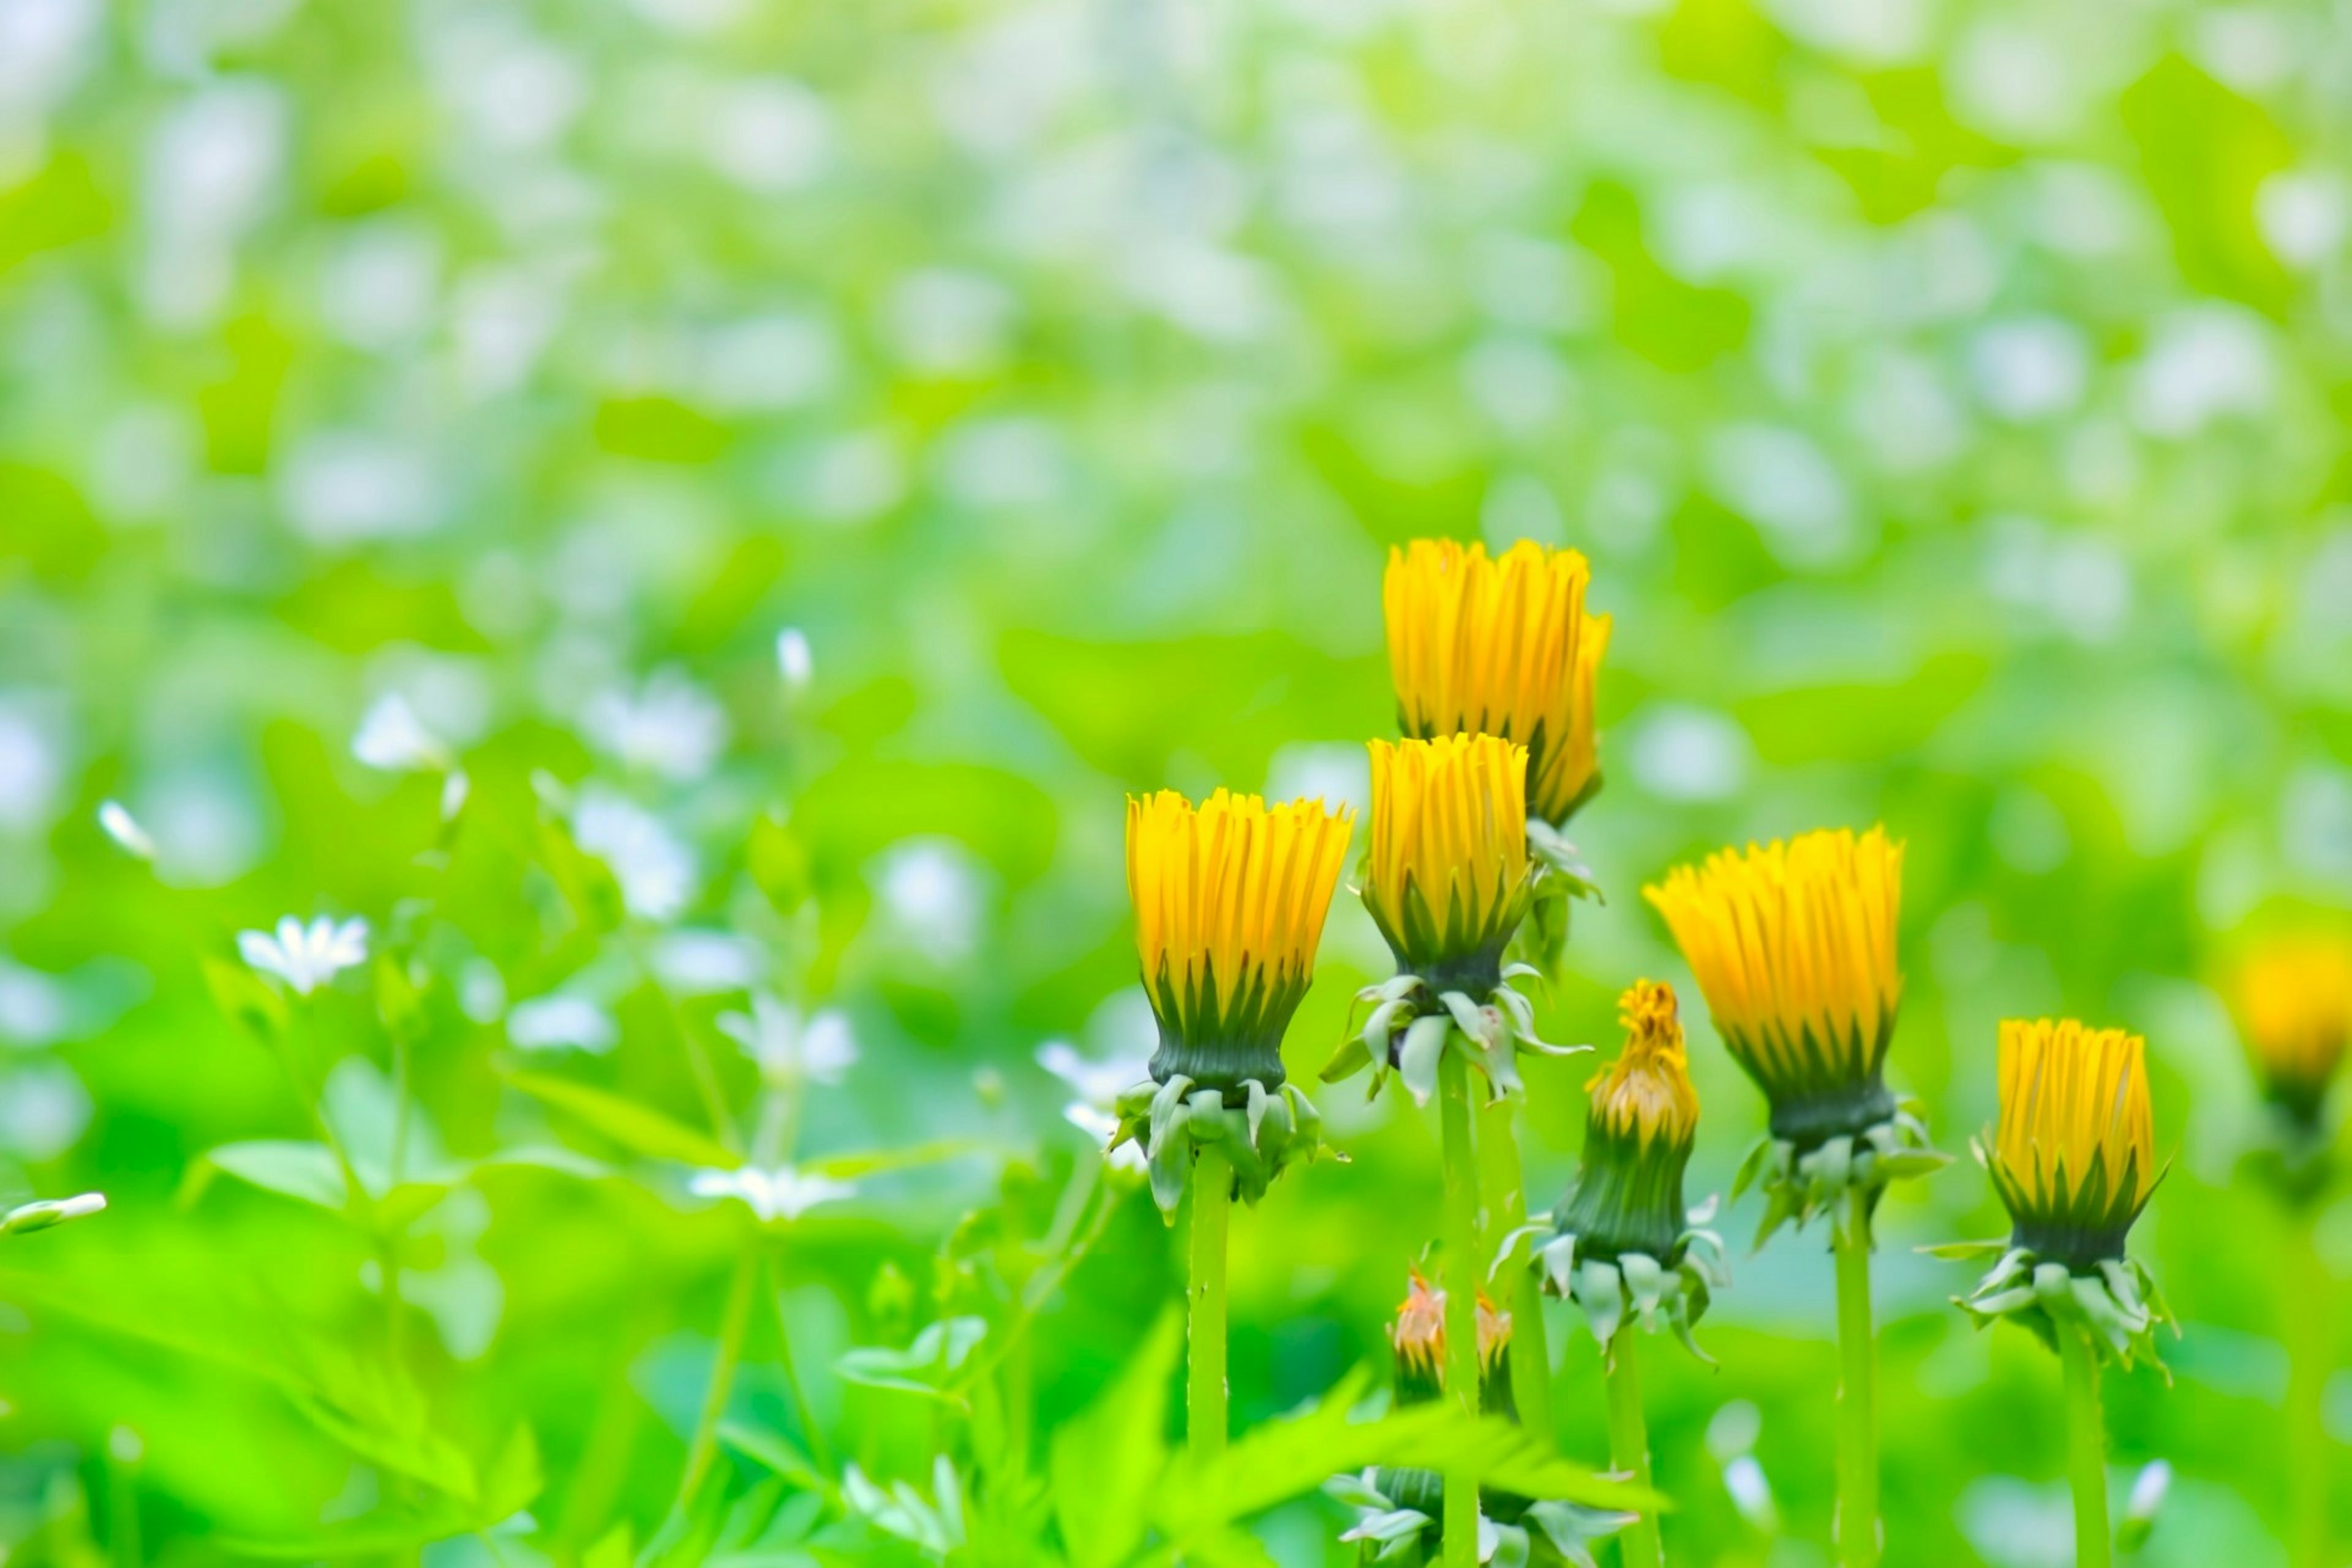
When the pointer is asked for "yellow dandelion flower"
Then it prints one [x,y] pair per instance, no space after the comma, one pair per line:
[2295,1010]
[1500,645]
[2074,1157]
[1448,879]
[1793,946]
[1230,897]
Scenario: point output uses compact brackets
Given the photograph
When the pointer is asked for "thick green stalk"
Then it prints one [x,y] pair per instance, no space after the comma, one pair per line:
[1506,1210]
[2308,1447]
[1640,1545]
[2086,1448]
[1857,1429]
[704,1445]
[1204,1401]
[1462,1275]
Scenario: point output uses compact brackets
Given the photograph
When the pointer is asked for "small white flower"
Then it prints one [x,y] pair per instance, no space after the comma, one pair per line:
[790,1049]
[306,957]
[453,791]
[781,1194]
[557,1022]
[706,962]
[392,737]
[124,830]
[656,871]
[794,661]
[669,727]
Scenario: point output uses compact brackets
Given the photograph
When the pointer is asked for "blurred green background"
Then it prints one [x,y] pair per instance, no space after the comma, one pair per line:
[1948,397]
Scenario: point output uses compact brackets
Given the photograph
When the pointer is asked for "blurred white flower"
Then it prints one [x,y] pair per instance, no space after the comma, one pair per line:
[32,764]
[789,1047]
[44,1109]
[306,957]
[124,830]
[933,895]
[795,662]
[654,869]
[1097,1083]
[392,737]
[781,1194]
[560,1022]
[670,726]
[705,963]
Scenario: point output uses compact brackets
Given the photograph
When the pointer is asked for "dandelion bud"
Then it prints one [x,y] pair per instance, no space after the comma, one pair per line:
[1620,1244]
[2295,1010]
[2074,1159]
[1229,904]
[2075,1162]
[1230,897]
[1628,1195]
[1500,646]
[1793,946]
[1448,880]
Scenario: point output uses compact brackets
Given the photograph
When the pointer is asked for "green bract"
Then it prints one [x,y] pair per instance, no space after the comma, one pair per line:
[2116,1299]
[1397,1521]
[1262,1131]
[1230,1041]
[1801,1178]
[1412,1024]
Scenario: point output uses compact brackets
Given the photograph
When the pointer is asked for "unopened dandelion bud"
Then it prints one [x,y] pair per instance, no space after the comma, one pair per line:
[1230,897]
[2293,999]
[1793,946]
[2074,1160]
[1500,645]
[1447,882]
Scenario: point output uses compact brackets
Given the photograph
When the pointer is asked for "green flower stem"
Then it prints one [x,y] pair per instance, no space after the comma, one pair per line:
[819,1450]
[704,1446]
[1857,1444]
[1204,1403]
[1461,1274]
[2307,1308]
[1506,1210]
[704,1071]
[2086,1446]
[1629,1447]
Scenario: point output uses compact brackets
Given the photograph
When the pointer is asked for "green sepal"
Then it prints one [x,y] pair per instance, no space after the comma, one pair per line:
[1399,1519]
[2117,1300]
[1262,1131]
[1412,1025]
[1657,1294]
[1800,1182]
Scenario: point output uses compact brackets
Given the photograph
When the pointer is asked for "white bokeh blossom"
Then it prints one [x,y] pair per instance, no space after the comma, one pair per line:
[782,1193]
[792,1049]
[392,738]
[306,957]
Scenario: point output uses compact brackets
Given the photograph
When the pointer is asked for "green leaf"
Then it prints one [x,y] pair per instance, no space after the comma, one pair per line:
[304,1171]
[246,997]
[625,1122]
[928,1366]
[878,1162]
[1284,1459]
[1105,1463]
